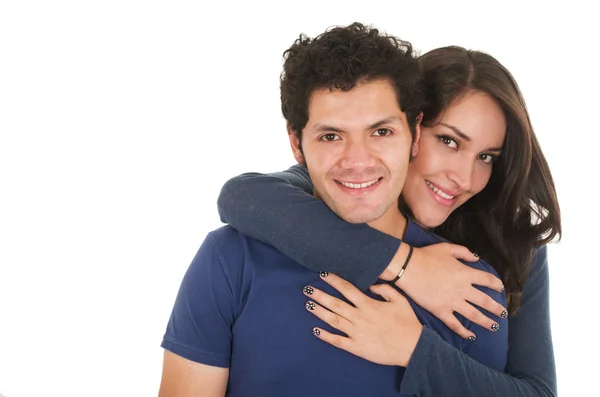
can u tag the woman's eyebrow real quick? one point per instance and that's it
(457, 132)
(467, 138)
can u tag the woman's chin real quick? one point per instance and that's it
(431, 219)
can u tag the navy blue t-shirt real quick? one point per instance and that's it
(241, 306)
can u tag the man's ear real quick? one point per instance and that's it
(415, 145)
(295, 144)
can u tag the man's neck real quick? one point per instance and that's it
(392, 223)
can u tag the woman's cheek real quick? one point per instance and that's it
(482, 177)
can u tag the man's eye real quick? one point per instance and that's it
(329, 137)
(382, 132)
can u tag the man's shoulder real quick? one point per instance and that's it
(228, 237)
(231, 246)
(224, 235)
(221, 261)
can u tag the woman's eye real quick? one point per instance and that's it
(446, 140)
(329, 137)
(487, 158)
(382, 132)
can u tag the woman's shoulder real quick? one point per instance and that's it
(420, 237)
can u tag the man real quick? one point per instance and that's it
(351, 98)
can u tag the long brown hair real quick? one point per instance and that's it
(518, 210)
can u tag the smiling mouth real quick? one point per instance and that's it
(439, 192)
(361, 185)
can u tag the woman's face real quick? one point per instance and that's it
(454, 159)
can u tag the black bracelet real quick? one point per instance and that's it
(410, 251)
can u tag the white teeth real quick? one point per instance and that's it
(359, 185)
(439, 192)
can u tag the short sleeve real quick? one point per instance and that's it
(200, 326)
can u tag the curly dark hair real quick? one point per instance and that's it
(341, 58)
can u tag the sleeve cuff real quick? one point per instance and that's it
(193, 354)
(417, 367)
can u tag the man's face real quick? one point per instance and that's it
(356, 146)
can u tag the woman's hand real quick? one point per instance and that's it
(382, 332)
(442, 285)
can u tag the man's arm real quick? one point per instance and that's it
(198, 338)
(185, 378)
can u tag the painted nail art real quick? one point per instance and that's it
(504, 314)
(495, 327)
(323, 274)
(310, 305)
(475, 255)
(471, 338)
(316, 331)
(503, 288)
(308, 290)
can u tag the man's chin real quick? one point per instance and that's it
(354, 212)
(358, 217)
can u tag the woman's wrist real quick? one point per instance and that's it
(395, 265)
(413, 341)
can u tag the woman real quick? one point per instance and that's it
(473, 186)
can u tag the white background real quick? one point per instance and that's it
(121, 120)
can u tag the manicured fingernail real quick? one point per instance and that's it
(316, 331)
(504, 314)
(308, 290)
(495, 327)
(471, 338)
(310, 305)
(323, 274)
(502, 288)
(475, 255)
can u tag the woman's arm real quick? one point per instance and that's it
(279, 209)
(437, 369)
